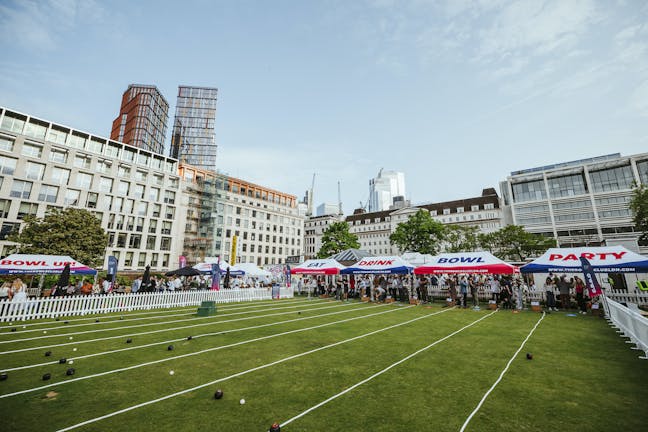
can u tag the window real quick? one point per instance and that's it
(154, 194)
(124, 188)
(36, 129)
(529, 191)
(140, 175)
(165, 243)
(103, 166)
(13, 122)
(474, 208)
(170, 212)
(567, 186)
(128, 155)
(157, 208)
(140, 225)
(143, 159)
(612, 179)
(57, 155)
(119, 204)
(489, 206)
(642, 167)
(32, 150)
(91, 200)
(20, 189)
(8, 228)
(27, 209)
(6, 144)
(154, 260)
(142, 208)
(105, 184)
(166, 228)
(72, 197)
(34, 171)
(5, 205)
(83, 180)
(152, 226)
(48, 193)
(60, 176)
(446, 211)
(82, 161)
(121, 240)
(77, 141)
(169, 197)
(128, 259)
(138, 191)
(150, 242)
(141, 262)
(123, 171)
(96, 145)
(128, 206)
(112, 150)
(135, 241)
(57, 136)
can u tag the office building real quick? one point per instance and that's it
(193, 140)
(239, 221)
(314, 228)
(327, 209)
(386, 186)
(132, 191)
(578, 203)
(143, 118)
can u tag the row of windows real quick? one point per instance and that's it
(135, 241)
(143, 259)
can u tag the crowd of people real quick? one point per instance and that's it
(564, 287)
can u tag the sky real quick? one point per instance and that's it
(456, 94)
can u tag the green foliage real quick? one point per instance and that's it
(421, 233)
(74, 232)
(513, 242)
(336, 239)
(460, 238)
(639, 208)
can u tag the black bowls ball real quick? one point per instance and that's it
(47, 376)
(63, 361)
(170, 348)
(218, 394)
(70, 372)
(48, 353)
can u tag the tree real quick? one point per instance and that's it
(421, 233)
(639, 208)
(336, 239)
(515, 243)
(459, 238)
(74, 232)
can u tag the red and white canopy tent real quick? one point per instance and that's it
(42, 264)
(318, 267)
(466, 262)
(380, 265)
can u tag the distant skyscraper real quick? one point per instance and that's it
(327, 209)
(193, 140)
(384, 188)
(143, 117)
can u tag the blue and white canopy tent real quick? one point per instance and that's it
(206, 268)
(607, 259)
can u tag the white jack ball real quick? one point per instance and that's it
(71, 362)
(70, 337)
(171, 372)
(44, 331)
(74, 349)
(242, 401)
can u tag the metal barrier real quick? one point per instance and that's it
(629, 323)
(52, 307)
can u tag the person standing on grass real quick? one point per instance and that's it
(474, 287)
(563, 289)
(463, 290)
(579, 287)
(452, 288)
(550, 297)
(495, 289)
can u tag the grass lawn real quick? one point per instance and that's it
(285, 357)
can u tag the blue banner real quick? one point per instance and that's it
(592, 284)
(215, 270)
(112, 267)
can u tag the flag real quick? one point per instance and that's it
(112, 269)
(215, 268)
(182, 260)
(288, 275)
(593, 286)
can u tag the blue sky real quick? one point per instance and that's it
(456, 94)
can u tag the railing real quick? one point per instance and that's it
(629, 323)
(52, 307)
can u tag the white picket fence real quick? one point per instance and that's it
(52, 307)
(629, 322)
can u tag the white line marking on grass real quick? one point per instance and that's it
(161, 330)
(501, 375)
(359, 308)
(254, 369)
(141, 325)
(391, 366)
(195, 353)
(63, 326)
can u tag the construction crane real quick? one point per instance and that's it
(340, 212)
(309, 209)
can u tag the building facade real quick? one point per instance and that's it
(386, 186)
(233, 218)
(578, 203)
(193, 140)
(314, 228)
(133, 192)
(143, 118)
